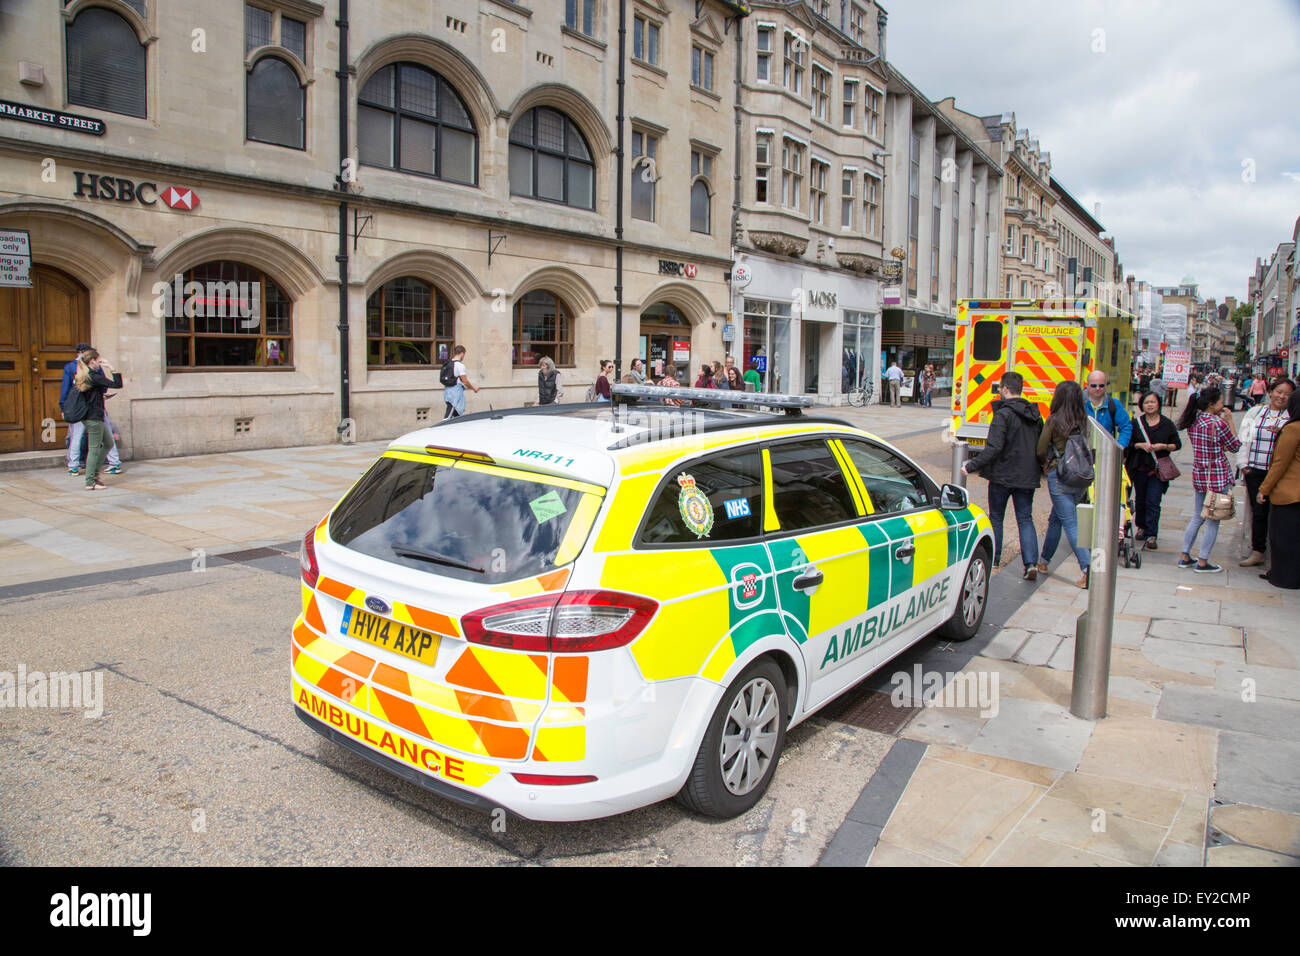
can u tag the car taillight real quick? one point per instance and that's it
(307, 559)
(574, 621)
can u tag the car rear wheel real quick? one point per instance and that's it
(971, 600)
(742, 744)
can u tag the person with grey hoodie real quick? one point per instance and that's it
(1009, 461)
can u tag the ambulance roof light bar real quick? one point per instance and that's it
(790, 404)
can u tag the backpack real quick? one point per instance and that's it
(447, 374)
(1074, 467)
(591, 393)
(74, 406)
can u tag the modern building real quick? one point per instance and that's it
(282, 245)
(943, 204)
(1149, 330)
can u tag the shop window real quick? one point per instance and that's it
(543, 326)
(408, 322)
(105, 63)
(550, 160)
(276, 104)
(410, 118)
(229, 315)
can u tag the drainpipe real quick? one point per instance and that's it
(342, 186)
(618, 192)
(737, 315)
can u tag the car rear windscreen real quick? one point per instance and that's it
(457, 521)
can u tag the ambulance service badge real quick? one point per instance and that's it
(694, 505)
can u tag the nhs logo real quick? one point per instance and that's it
(737, 507)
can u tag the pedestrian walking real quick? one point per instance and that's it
(1066, 417)
(91, 379)
(1258, 388)
(1258, 433)
(895, 376)
(76, 430)
(1108, 410)
(753, 381)
(1009, 462)
(550, 389)
(1149, 466)
(1281, 489)
(454, 383)
(928, 379)
(1209, 426)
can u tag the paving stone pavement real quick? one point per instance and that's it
(1197, 762)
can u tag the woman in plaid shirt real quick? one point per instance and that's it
(1209, 426)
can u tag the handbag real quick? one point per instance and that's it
(1166, 470)
(1219, 506)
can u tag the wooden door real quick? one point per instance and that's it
(39, 331)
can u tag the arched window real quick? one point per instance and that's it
(549, 160)
(543, 326)
(227, 315)
(410, 118)
(408, 322)
(105, 62)
(701, 195)
(276, 104)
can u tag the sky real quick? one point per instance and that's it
(1181, 117)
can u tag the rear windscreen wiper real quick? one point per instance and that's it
(404, 551)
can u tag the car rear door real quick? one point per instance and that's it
(1047, 352)
(819, 559)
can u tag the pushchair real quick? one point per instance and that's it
(1130, 548)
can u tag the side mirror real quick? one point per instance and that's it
(953, 498)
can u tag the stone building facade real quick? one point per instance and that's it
(145, 141)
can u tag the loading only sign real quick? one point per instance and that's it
(15, 258)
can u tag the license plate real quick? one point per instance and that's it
(974, 441)
(391, 635)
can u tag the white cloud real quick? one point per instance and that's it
(1156, 126)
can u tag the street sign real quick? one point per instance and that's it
(728, 332)
(1178, 365)
(681, 351)
(15, 258)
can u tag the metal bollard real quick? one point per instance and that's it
(1093, 629)
(960, 452)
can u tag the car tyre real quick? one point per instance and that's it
(972, 599)
(749, 722)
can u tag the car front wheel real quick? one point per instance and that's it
(971, 600)
(742, 744)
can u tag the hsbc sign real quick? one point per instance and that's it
(118, 189)
(688, 270)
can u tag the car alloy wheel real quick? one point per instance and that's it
(974, 592)
(749, 736)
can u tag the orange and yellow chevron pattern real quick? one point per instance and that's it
(982, 376)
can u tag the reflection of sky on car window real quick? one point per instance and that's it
(470, 517)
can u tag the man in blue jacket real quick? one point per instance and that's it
(1108, 411)
(75, 428)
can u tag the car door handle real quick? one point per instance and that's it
(810, 578)
(905, 551)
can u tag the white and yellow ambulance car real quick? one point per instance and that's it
(574, 611)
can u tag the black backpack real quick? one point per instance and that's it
(1074, 467)
(74, 406)
(447, 375)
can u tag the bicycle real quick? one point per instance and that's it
(861, 395)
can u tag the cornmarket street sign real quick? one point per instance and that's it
(53, 118)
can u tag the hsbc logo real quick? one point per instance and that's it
(688, 270)
(179, 197)
(118, 189)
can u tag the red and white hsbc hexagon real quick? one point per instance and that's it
(180, 197)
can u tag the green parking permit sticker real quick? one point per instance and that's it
(547, 507)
